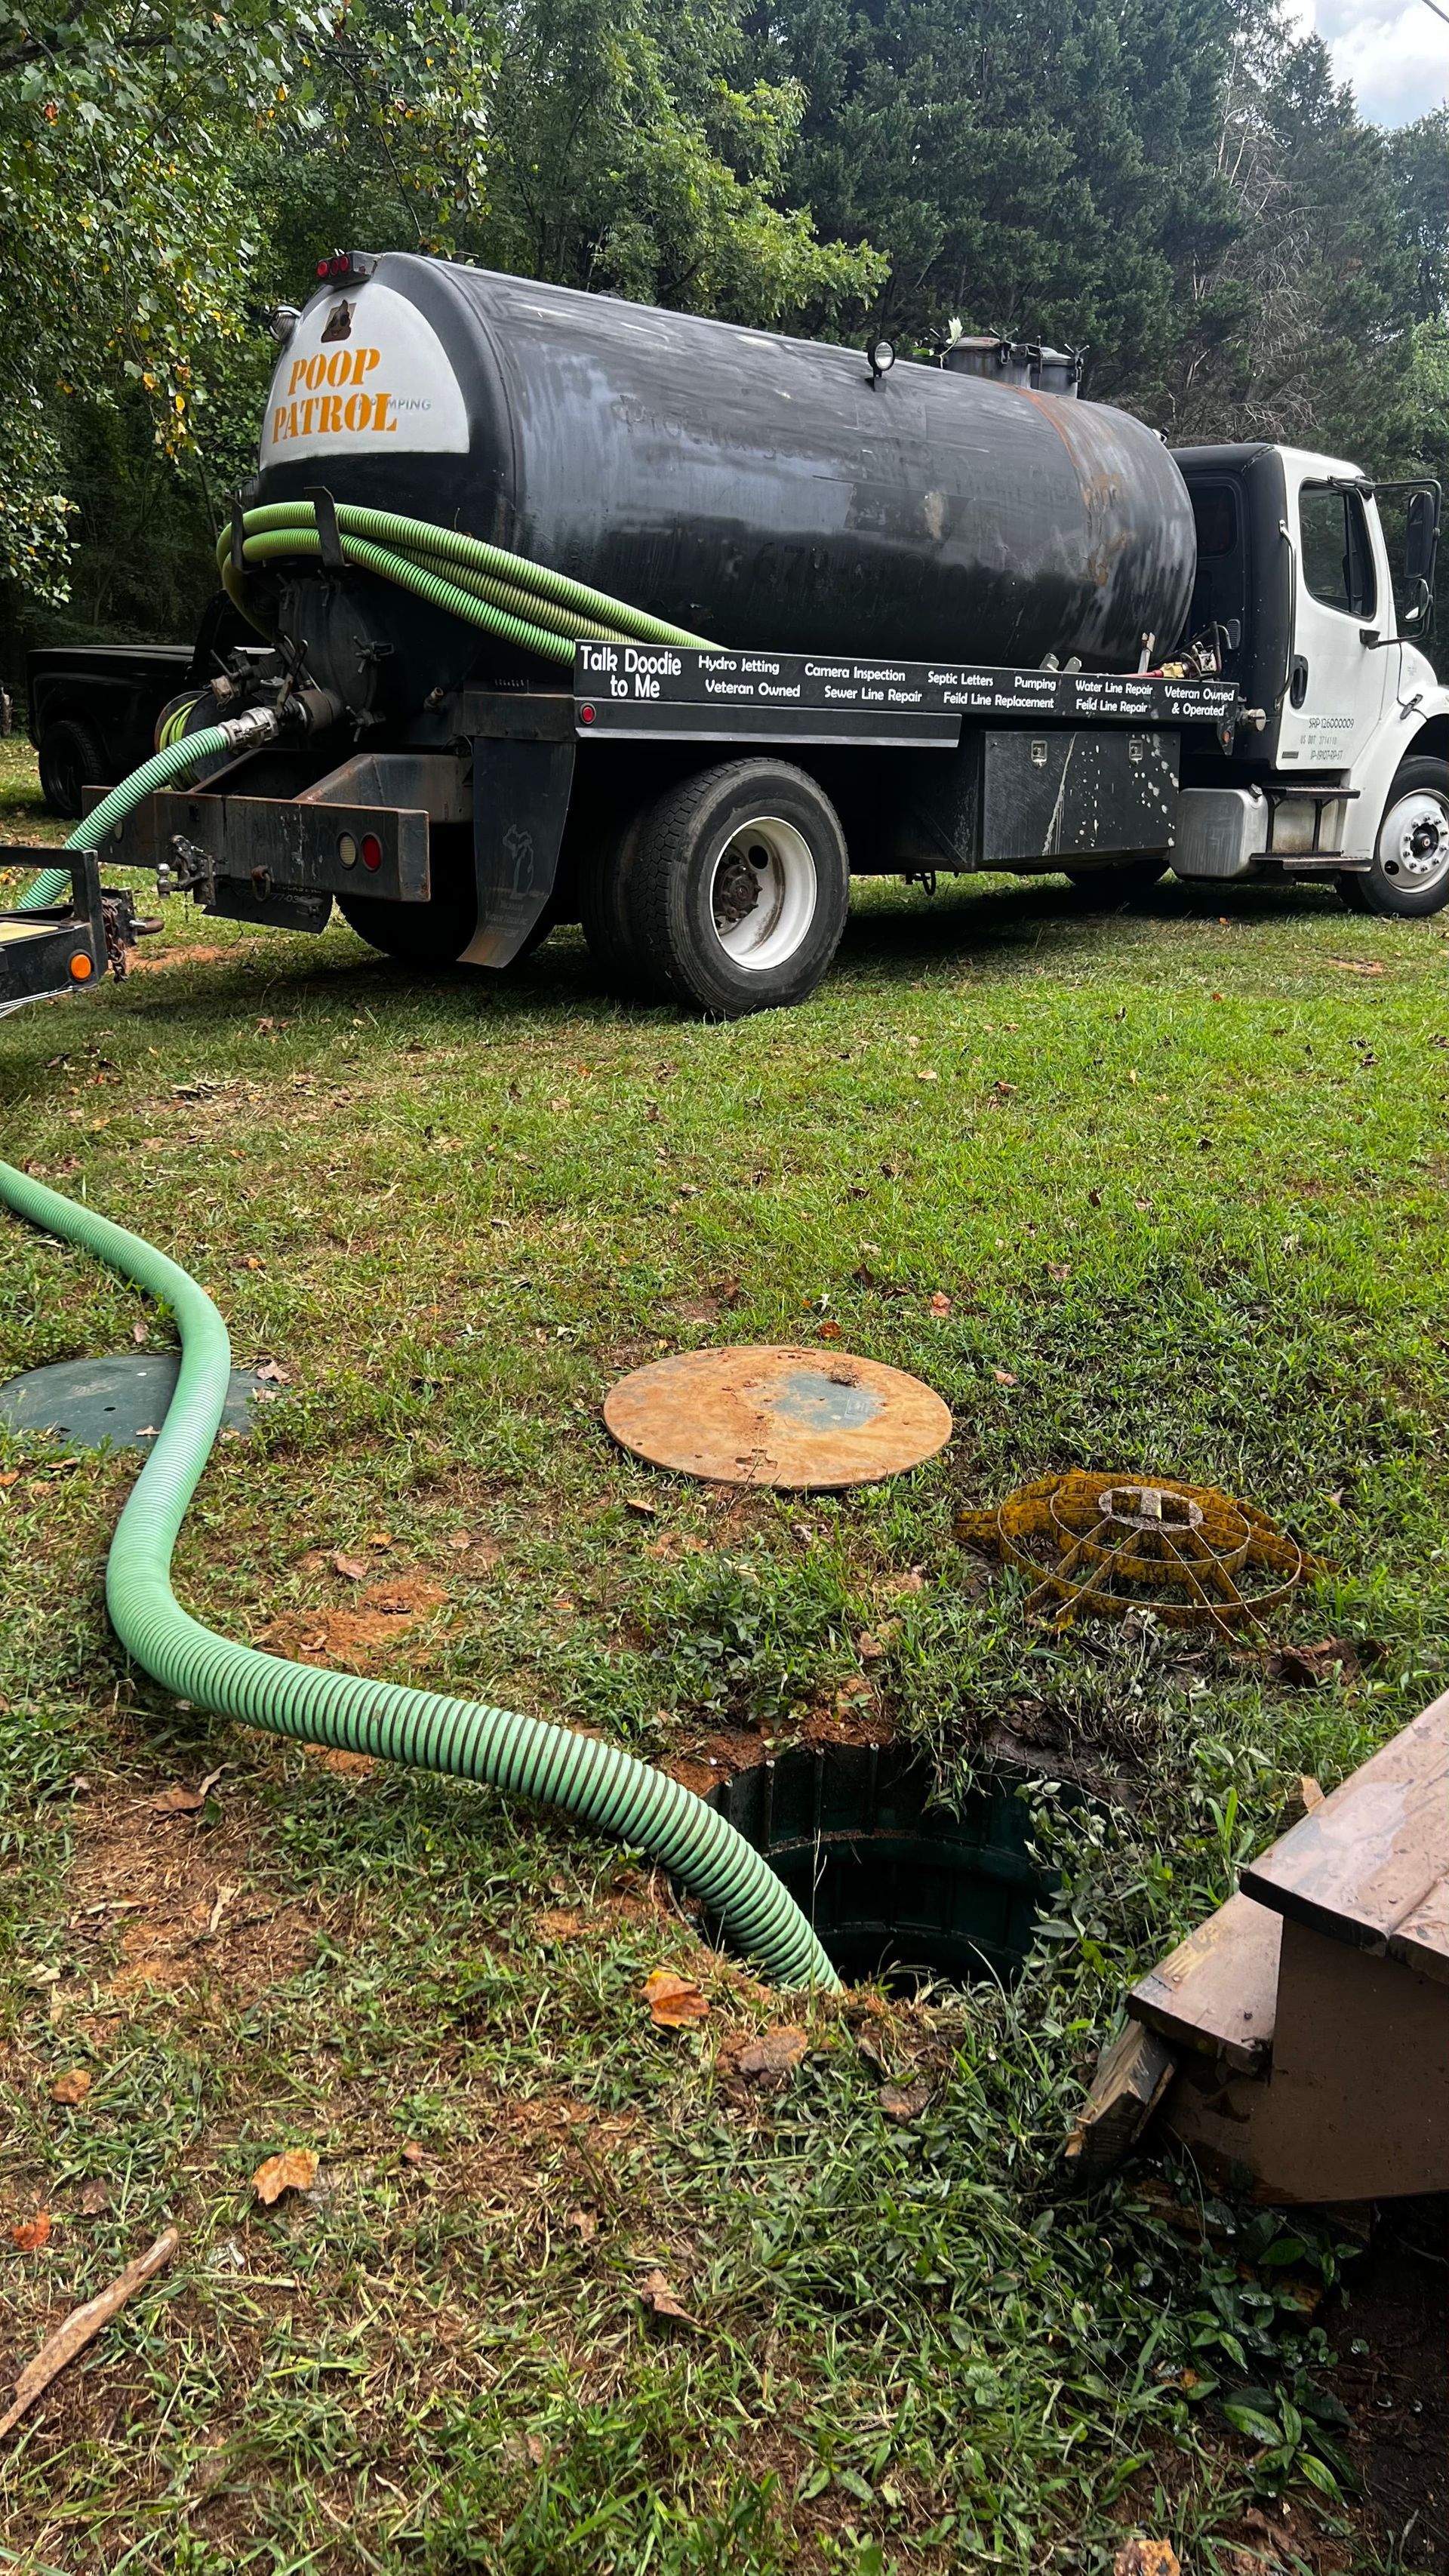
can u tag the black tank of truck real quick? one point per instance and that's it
(759, 490)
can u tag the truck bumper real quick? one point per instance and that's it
(290, 845)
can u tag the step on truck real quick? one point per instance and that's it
(567, 609)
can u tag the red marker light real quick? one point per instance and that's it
(371, 851)
(586, 715)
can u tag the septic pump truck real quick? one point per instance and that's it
(567, 609)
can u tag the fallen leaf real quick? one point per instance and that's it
(1003, 1377)
(585, 2224)
(294, 2170)
(1357, 965)
(378, 1538)
(178, 1800)
(77, 2330)
(869, 1646)
(658, 2297)
(252, 1261)
(640, 1503)
(411, 2153)
(356, 1568)
(912, 1581)
(72, 2087)
(776, 2052)
(139, 1333)
(926, 1073)
(11, 1476)
(1094, 1198)
(905, 2101)
(32, 2233)
(1146, 2558)
(939, 1303)
(94, 2199)
(674, 2002)
(270, 1373)
(830, 1331)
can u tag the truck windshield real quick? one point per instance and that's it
(1338, 566)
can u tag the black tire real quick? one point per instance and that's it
(71, 760)
(1409, 874)
(434, 934)
(1350, 892)
(1119, 880)
(752, 927)
(605, 881)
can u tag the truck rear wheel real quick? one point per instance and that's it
(1408, 875)
(70, 760)
(737, 887)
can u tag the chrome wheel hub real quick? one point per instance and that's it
(1414, 843)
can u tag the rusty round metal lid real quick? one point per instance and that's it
(756, 1416)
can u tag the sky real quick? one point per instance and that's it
(1395, 52)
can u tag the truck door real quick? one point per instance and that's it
(1336, 681)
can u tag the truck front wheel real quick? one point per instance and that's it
(738, 888)
(1408, 875)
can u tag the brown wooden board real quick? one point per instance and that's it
(1369, 1865)
(1217, 1991)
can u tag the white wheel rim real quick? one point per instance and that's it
(762, 893)
(1414, 843)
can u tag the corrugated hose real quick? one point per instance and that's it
(603, 1787)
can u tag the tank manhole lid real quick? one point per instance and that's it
(762, 1416)
(120, 1401)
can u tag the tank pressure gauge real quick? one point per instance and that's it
(882, 356)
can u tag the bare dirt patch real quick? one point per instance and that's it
(168, 1900)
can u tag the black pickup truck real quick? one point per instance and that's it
(93, 707)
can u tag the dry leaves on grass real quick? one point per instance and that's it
(355, 1568)
(32, 2233)
(775, 2053)
(1146, 2558)
(178, 1800)
(294, 2170)
(72, 2086)
(660, 2299)
(83, 2324)
(674, 2002)
(939, 1303)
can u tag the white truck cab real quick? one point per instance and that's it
(1347, 777)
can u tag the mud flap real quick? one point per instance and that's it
(520, 806)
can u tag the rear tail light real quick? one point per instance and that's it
(371, 851)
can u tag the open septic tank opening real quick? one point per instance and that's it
(898, 1889)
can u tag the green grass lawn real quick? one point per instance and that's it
(1182, 1180)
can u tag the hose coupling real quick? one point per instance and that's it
(247, 732)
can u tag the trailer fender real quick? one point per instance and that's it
(520, 806)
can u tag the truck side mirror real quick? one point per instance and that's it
(1421, 541)
(1421, 547)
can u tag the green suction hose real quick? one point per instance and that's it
(463, 1739)
(522, 602)
(53, 884)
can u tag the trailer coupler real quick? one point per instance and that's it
(61, 948)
